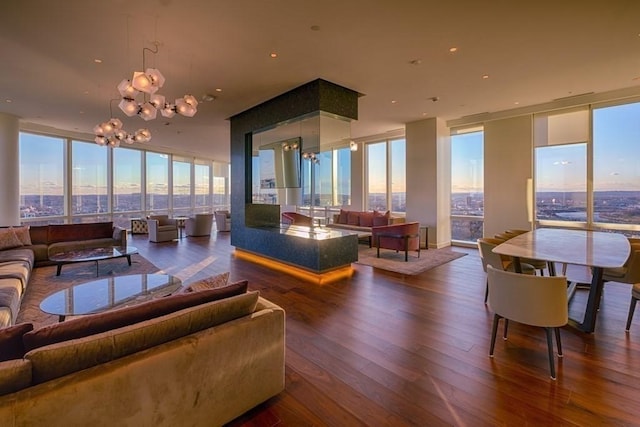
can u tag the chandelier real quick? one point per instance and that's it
(111, 132)
(148, 82)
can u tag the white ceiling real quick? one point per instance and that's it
(533, 52)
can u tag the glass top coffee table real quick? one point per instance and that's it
(92, 254)
(105, 294)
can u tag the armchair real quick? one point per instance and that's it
(199, 225)
(162, 228)
(223, 220)
(399, 237)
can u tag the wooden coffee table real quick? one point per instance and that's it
(105, 294)
(92, 254)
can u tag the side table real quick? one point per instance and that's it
(180, 223)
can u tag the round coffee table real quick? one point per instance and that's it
(105, 294)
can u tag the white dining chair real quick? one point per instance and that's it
(529, 299)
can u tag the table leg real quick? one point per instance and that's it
(588, 324)
(97, 270)
(129, 260)
(59, 269)
(406, 248)
(517, 266)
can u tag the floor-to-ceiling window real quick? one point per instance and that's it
(616, 166)
(89, 198)
(587, 167)
(157, 182)
(202, 185)
(221, 174)
(42, 178)
(181, 186)
(385, 164)
(467, 184)
(63, 180)
(127, 185)
(560, 140)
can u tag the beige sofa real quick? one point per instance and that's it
(199, 366)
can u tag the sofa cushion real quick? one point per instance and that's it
(101, 322)
(73, 232)
(366, 219)
(63, 358)
(353, 218)
(343, 216)
(17, 254)
(11, 346)
(23, 234)
(10, 294)
(14, 375)
(381, 219)
(8, 239)
(39, 234)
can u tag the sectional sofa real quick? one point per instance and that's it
(23, 248)
(190, 359)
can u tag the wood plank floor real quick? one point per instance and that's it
(381, 349)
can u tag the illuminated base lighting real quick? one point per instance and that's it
(300, 273)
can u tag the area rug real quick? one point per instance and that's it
(44, 282)
(394, 261)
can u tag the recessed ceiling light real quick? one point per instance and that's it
(273, 55)
(517, 103)
(415, 62)
(394, 101)
(485, 76)
(453, 49)
(98, 61)
(8, 101)
(218, 89)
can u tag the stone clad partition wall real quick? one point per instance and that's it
(256, 228)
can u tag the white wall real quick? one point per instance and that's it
(428, 178)
(9, 170)
(508, 163)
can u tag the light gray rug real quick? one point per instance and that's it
(394, 261)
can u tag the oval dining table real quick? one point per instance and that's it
(595, 249)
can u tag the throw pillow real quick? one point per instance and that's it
(379, 219)
(342, 218)
(219, 281)
(366, 219)
(8, 239)
(353, 218)
(11, 346)
(22, 233)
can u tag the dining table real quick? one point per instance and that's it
(595, 249)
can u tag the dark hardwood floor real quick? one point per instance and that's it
(381, 349)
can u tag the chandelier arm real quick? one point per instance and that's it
(144, 66)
